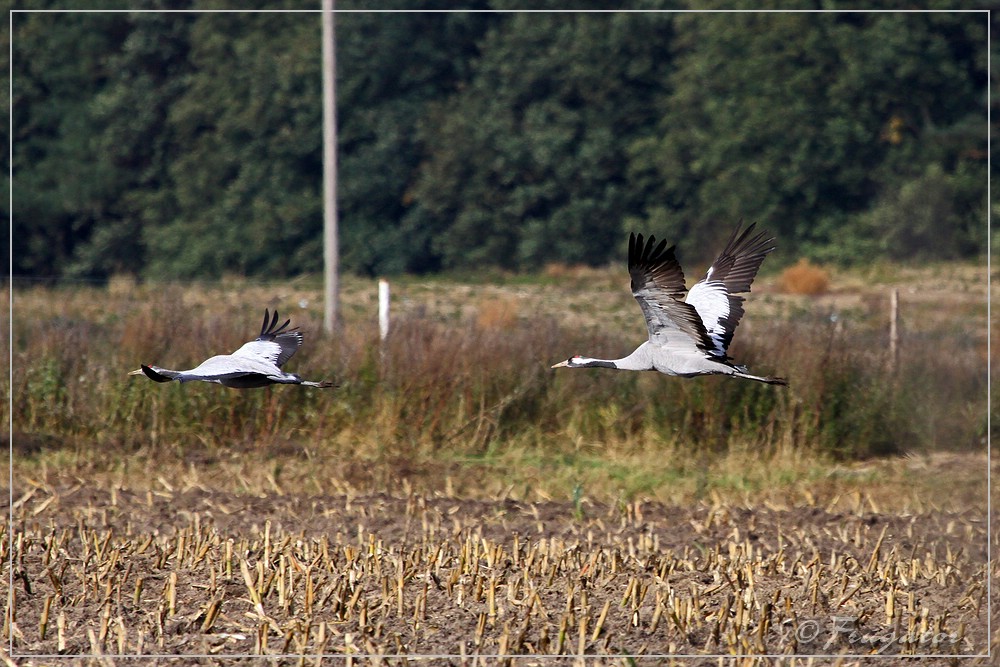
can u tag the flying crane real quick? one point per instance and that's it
(256, 364)
(689, 330)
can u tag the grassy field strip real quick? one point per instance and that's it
(463, 384)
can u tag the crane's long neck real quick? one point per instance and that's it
(587, 362)
(637, 361)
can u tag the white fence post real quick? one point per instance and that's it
(383, 308)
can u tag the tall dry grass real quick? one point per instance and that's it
(456, 387)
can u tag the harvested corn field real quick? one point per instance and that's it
(194, 572)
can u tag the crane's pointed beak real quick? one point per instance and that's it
(137, 371)
(560, 364)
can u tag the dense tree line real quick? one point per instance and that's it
(190, 144)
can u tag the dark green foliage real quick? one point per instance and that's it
(245, 177)
(63, 186)
(527, 164)
(392, 66)
(146, 78)
(190, 144)
(805, 122)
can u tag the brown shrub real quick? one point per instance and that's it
(122, 285)
(563, 271)
(497, 313)
(805, 278)
(559, 270)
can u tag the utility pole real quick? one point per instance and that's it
(331, 260)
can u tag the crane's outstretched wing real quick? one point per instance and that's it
(715, 296)
(274, 344)
(658, 286)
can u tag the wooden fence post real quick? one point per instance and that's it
(893, 328)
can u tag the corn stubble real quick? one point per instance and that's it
(383, 576)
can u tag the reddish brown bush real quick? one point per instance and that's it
(805, 278)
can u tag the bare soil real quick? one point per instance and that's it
(103, 572)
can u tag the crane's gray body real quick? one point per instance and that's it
(646, 357)
(231, 371)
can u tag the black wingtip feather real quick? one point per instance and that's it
(643, 251)
(268, 329)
